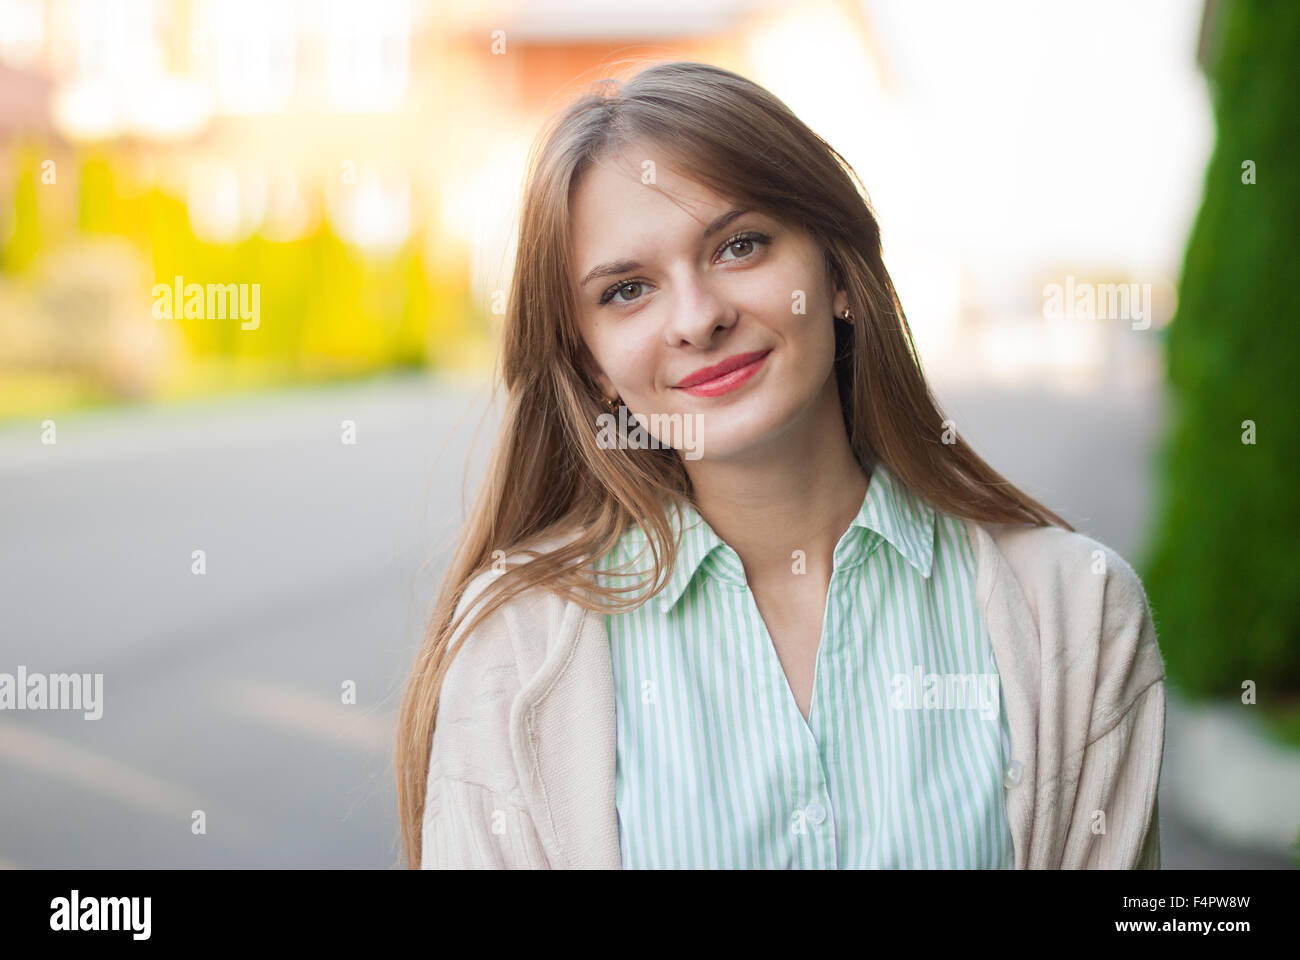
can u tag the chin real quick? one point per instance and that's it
(736, 434)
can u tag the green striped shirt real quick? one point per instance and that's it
(901, 761)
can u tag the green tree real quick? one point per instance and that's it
(1223, 571)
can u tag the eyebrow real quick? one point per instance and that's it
(615, 267)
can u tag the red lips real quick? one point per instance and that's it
(721, 369)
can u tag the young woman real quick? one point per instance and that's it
(782, 615)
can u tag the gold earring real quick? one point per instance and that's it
(848, 315)
(610, 405)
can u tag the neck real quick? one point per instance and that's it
(799, 492)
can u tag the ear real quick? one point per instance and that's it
(839, 301)
(839, 296)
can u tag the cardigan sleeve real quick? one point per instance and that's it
(1116, 823)
(471, 827)
(474, 814)
(1115, 820)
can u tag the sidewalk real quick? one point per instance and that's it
(1231, 794)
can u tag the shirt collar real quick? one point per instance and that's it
(889, 512)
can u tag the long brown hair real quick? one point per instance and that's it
(547, 474)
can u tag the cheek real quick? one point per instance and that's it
(628, 357)
(786, 298)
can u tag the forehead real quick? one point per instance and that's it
(634, 195)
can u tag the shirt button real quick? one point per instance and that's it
(1012, 775)
(815, 812)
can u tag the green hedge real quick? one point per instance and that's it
(1222, 570)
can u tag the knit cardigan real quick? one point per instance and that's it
(522, 761)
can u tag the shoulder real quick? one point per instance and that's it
(478, 591)
(492, 660)
(1088, 605)
(1053, 564)
(1023, 544)
(496, 655)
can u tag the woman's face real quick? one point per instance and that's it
(669, 283)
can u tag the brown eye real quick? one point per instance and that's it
(748, 242)
(612, 291)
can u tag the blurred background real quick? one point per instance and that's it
(254, 255)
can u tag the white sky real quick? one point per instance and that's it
(1060, 130)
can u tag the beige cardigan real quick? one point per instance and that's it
(521, 771)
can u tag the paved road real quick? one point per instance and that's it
(223, 692)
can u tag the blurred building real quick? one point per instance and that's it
(403, 124)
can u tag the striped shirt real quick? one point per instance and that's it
(903, 760)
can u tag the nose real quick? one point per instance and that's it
(698, 313)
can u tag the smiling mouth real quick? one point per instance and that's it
(727, 380)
